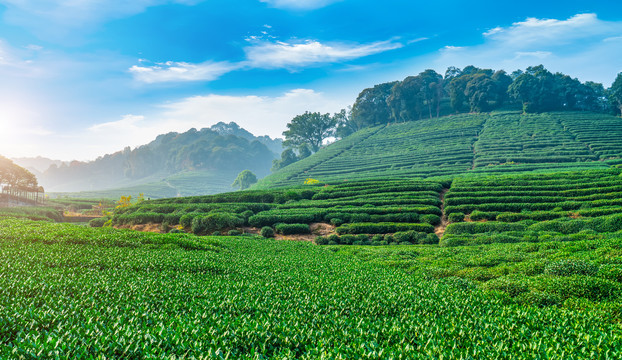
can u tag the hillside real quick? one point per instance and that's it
(499, 142)
(196, 162)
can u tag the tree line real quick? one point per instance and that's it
(430, 94)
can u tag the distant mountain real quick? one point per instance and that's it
(275, 145)
(222, 151)
(37, 165)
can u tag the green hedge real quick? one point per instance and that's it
(483, 227)
(290, 229)
(382, 228)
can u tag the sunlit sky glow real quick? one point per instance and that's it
(88, 77)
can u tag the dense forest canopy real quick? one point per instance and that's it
(430, 94)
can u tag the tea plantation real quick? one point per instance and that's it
(466, 237)
(498, 142)
(74, 292)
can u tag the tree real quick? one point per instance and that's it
(615, 93)
(309, 129)
(480, 91)
(371, 107)
(432, 89)
(535, 88)
(344, 124)
(244, 180)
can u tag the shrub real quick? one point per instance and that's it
(336, 222)
(186, 220)
(477, 215)
(99, 222)
(319, 240)
(538, 299)
(216, 233)
(334, 238)
(215, 221)
(290, 229)
(382, 228)
(611, 272)
(477, 227)
(430, 239)
(430, 219)
(347, 239)
(513, 285)
(267, 232)
(571, 267)
(377, 237)
(579, 286)
(234, 233)
(456, 217)
(362, 238)
(451, 241)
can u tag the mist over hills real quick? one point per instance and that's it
(220, 151)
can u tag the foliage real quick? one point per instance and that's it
(309, 129)
(615, 93)
(309, 181)
(244, 180)
(290, 229)
(267, 232)
(16, 177)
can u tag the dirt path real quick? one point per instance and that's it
(439, 230)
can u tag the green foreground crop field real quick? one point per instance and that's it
(69, 292)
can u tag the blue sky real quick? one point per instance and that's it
(82, 78)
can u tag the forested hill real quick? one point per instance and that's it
(498, 142)
(219, 152)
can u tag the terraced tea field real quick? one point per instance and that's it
(362, 207)
(503, 142)
(74, 292)
(532, 207)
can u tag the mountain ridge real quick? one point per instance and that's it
(224, 149)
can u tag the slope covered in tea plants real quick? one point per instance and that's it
(463, 144)
(74, 292)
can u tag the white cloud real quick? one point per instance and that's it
(299, 4)
(181, 71)
(262, 54)
(127, 122)
(538, 32)
(582, 46)
(58, 19)
(290, 55)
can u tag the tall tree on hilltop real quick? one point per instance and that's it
(480, 90)
(309, 129)
(432, 89)
(502, 81)
(406, 100)
(615, 93)
(371, 108)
